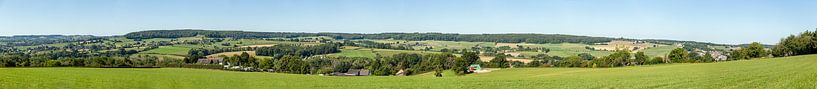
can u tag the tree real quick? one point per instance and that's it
(499, 61)
(586, 56)
(708, 57)
(467, 59)
(695, 57)
(470, 57)
(640, 58)
(460, 66)
(739, 54)
(756, 50)
(572, 61)
(619, 58)
(803, 43)
(655, 60)
(517, 64)
(265, 63)
(535, 63)
(678, 55)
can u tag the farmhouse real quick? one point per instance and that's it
(474, 67)
(719, 56)
(352, 72)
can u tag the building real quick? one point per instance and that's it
(474, 68)
(353, 72)
(718, 55)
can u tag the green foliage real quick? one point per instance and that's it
(499, 62)
(290, 64)
(756, 50)
(572, 61)
(679, 55)
(296, 50)
(619, 58)
(460, 66)
(708, 58)
(640, 58)
(587, 56)
(803, 43)
(739, 54)
(656, 60)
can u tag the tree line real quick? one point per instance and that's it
(799, 44)
(397, 64)
(21, 60)
(504, 38)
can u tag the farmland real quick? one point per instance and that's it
(770, 73)
(170, 50)
(371, 53)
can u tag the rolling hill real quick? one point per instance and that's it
(771, 73)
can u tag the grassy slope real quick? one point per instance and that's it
(168, 50)
(776, 73)
(659, 51)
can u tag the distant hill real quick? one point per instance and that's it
(28, 40)
(505, 38)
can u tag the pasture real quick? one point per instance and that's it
(796, 72)
(168, 50)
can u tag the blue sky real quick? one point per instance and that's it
(718, 21)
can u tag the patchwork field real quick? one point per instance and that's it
(349, 51)
(252, 53)
(168, 50)
(438, 45)
(776, 73)
(566, 50)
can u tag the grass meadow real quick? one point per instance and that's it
(796, 72)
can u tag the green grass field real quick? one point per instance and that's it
(776, 73)
(566, 50)
(659, 51)
(168, 50)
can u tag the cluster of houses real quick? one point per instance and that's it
(352, 72)
(718, 55)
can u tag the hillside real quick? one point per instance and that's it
(773, 73)
(503, 38)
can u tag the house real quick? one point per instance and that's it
(719, 56)
(352, 72)
(215, 60)
(474, 68)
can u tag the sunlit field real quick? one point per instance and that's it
(774, 73)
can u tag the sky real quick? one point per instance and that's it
(717, 21)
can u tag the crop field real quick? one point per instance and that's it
(247, 42)
(774, 73)
(160, 56)
(349, 51)
(563, 49)
(252, 53)
(566, 49)
(438, 45)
